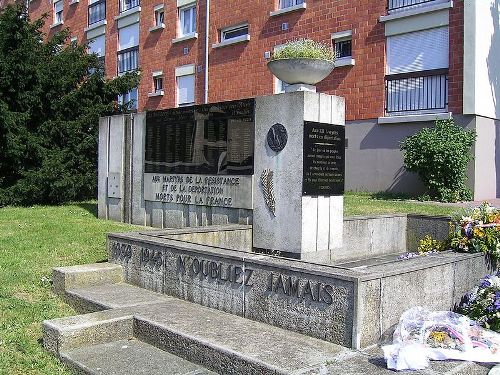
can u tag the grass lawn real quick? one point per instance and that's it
(34, 240)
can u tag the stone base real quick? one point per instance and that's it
(300, 87)
(352, 304)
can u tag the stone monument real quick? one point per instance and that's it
(274, 162)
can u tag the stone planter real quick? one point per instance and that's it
(307, 71)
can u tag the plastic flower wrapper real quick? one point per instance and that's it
(423, 335)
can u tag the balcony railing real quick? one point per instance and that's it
(128, 60)
(417, 91)
(400, 4)
(128, 4)
(97, 12)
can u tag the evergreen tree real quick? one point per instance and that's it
(52, 94)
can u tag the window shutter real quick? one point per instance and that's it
(185, 89)
(128, 36)
(417, 51)
(98, 45)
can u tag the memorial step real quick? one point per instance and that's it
(224, 343)
(128, 357)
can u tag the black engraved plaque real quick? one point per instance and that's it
(277, 137)
(324, 159)
(215, 138)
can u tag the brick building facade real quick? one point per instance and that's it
(402, 63)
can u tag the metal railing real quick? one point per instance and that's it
(128, 60)
(128, 4)
(416, 91)
(97, 12)
(400, 4)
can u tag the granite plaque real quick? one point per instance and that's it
(210, 139)
(277, 137)
(324, 159)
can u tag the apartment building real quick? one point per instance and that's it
(400, 65)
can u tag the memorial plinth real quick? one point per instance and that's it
(275, 162)
(307, 175)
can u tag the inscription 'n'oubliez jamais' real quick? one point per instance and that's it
(215, 270)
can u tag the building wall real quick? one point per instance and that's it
(374, 161)
(239, 71)
(482, 58)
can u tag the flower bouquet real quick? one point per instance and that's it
(477, 232)
(482, 303)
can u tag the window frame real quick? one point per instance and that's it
(185, 104)
(58, 15)
(294, 3)
(224, 31)
(181, 11)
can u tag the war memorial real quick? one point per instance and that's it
(251, 267)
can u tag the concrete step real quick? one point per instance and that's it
(225, 343)
(128, 357)
(171, 336)
(111, 296)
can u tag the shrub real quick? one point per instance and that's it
(304, 48)
(52, 94)
(439, 156)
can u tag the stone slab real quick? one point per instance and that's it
(232, 345)
(323, 301)
(82, 330)
(294, 296)
(64, 278)
(127, 357)
(111, 296)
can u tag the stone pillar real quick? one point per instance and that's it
(303, 225)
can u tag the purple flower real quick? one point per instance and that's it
(485, 283)
(468, 230)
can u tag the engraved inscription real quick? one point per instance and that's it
(151, 258)
(206, 269)
(121, 251)
(324, 159)
(304, 289)
(201, 190)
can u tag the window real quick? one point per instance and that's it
(418, 51)
(128, 4)
(58, 12)
(234, 32)
(128, 60)
(158, 83)
(290, 3)
(128, 36)
(417, 72)
(159, 17)
(129, 99)
(187, 20)
(343, 48)
(404, 4)
(185, 79)
(98, 45)
(96, 11)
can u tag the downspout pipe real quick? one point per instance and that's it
(207, 30)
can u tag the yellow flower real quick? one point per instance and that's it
(478, 232)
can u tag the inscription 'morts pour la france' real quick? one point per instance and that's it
(324, 159)
(200, 190)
